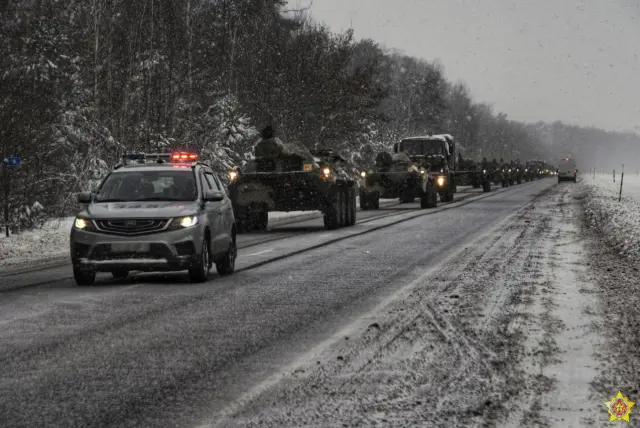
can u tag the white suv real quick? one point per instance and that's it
(567, 170)
(157, 213)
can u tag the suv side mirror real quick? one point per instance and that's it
(395, 148)
(213, 196)
(84, 197)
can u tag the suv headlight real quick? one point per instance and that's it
(83, 224)
(363, 174)
(183, 222)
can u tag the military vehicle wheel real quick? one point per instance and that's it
(371, 201)
(352, 207)
(486, 186)
(430, 198)
(332, 212)
(376, 201)
(260, 220)
(84, 277)
(407, 197)
(365, 201)
(447, 196)
(344, 206)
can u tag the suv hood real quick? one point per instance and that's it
(148, 209)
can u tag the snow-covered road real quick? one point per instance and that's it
(496, 311)
(500, 333)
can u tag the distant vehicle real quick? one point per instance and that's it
(286, 176)
(394, 176)
(567, 170)
(155, 212)
(431, 171)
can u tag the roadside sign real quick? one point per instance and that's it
(12, 161)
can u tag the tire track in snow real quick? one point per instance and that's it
(440, 357)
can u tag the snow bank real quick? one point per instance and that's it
(618, 222)
(51, 241)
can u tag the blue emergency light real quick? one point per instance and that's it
(13, 161)
(134, 156)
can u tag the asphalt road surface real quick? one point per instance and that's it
(157, 351)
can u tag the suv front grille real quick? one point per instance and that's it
(130, 227)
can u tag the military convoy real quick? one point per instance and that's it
(420, 167)
(290, 177)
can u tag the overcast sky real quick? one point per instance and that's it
(570, 60)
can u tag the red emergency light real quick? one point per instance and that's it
(184, 157)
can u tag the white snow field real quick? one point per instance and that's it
(51, 242)
(619, 222)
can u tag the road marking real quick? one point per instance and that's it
(258, 253)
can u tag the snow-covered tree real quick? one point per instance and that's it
(225, 134)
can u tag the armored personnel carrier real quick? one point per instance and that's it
(289, 177)
(394, 176)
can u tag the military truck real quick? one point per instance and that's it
(290, 177)
(480, 175)
(541, 169)
(504, 177)
(517, 171)
(394, 176)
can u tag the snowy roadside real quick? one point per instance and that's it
(49, 246)
(617, 222)
(500, 334)
(615, 269)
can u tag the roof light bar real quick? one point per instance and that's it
(160, 157)
(184, 156)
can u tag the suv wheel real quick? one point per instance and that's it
(227, 265)
(84, 277)
(199, 272)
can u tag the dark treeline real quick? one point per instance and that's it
(83, 81)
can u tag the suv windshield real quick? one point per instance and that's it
(421, 147)
(168, 185)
